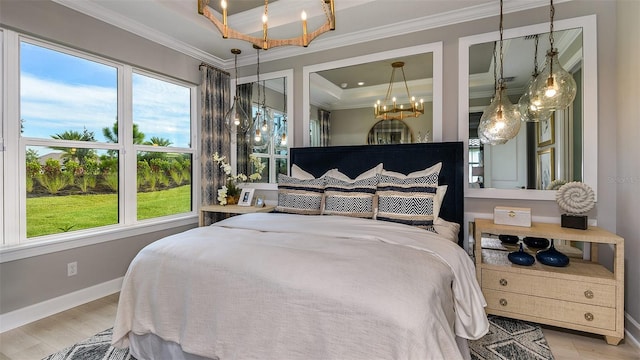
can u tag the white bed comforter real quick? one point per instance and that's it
(279, 286)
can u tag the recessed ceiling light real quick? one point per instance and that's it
(360, 83)
(344, 85)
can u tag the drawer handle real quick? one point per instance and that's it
(588, 294)
(588, 316)
(503, 302)
(512, 214)
(504, 282)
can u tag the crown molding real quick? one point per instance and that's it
(101, 13)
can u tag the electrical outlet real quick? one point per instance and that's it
(72, 268)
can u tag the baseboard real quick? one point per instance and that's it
(632, 331)
(20, 317)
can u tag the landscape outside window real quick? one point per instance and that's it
(69, 134)
(271, 150)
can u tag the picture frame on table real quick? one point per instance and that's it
(246, 197)
(546, 168)
(546, 132)
(259, 202)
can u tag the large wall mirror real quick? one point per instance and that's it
(564, 148)
(339, 97)
(268, 103)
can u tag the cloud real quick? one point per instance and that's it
(49, 107)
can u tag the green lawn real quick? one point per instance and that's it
(56, 214)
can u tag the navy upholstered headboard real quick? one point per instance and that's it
(403, 158)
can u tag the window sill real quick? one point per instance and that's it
(61, 243)
(260, 186)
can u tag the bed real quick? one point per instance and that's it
(295, 286)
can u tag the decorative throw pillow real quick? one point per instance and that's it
(408, 199)
(352, 197)
(298, 196)
(437, 200)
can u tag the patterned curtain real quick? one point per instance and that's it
(245, 92)
(324, 117)
(215, 102)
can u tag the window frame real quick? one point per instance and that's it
(13, 243)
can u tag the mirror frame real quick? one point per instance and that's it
(435, 48)
(589, 104)
(288, 75)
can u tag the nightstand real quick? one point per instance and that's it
(231, 209)
(583, 296)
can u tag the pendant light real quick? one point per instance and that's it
(555, 87)
(263, 121)
(500, 121)
(529, 104)
(236, 118)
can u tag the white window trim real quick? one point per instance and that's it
(14, 245)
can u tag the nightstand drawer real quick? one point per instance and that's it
(574, 291)
(562, 311)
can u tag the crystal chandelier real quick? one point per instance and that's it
(265, 42)
(236, 118)
(389, 109)
(554, 87)
(500, 121)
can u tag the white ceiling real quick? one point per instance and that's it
(177, 24)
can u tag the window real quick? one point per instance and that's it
(269, 138)
(100, 144)
(270, 144)
(162, 121)
(476, 169)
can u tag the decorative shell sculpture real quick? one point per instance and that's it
(556, 184)
(575, 197)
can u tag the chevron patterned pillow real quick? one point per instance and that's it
(298, 196)
(407, 200)
(350, 198)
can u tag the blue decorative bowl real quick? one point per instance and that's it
(536, 242)
(520, 257)
(509, 239)
(552, 257)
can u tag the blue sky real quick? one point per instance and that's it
(60, 92)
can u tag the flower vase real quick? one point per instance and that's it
(552, 257)
(232, 200)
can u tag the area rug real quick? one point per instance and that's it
(507, 339)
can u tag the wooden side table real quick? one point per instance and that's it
(583, 296)
(231, 209)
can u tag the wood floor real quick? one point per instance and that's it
(41, 338)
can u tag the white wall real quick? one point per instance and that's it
(627, 177)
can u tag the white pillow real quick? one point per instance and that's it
(335, 173)
(435, 169)
(437, 200)
(298, 173)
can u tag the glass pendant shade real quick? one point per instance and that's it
(500, 121)
(529, 106)
(555, 87)
(237, 118)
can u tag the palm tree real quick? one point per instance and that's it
(158, 141)
(71, 153)
(112, 134)
(155, 141)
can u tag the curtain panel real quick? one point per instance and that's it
(214, 136)
(324, 117)
(245, 93)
